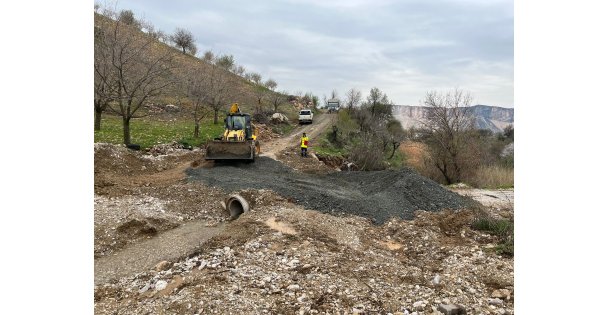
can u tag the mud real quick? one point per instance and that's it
(378, 196)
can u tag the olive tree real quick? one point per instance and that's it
(184, 39)
(127, 17)
(225, 62)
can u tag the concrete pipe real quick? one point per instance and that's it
(236, 205)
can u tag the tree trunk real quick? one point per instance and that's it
(395, 146)
(215, 113)
(126, 131)
(197, 128)
(98, 112)
(444, 171)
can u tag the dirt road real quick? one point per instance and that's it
(314, 130)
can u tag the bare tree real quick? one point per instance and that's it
(196, 89)
(277, 99)
(447, 122)
(270, 84)
(148, 28)
(240, 71)
(161, 36)
(183, 39)
(138, 71)
(217, 86)
(256, 78)
(104, 78)
(192, 50)
(209, 56)
(352, 99)
(261, 93)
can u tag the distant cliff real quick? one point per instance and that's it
(486, 117)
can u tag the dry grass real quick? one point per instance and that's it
(415, 153)
(494, 176)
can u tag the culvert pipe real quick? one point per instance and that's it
(236, 205)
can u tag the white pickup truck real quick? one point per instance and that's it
(305, 116)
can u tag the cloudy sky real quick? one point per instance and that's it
(405, 48)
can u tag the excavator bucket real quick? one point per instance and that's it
(228, 150)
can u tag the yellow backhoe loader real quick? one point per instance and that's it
(239, 140)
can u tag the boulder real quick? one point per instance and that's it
(278, 117)
(172, 108)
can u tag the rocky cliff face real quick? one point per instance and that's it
(486, 117)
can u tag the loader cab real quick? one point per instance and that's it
(239, 122)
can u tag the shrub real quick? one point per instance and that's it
(368, 154)
(501, 228)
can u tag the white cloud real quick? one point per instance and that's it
(405, 48)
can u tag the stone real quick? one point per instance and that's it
(145, 288)
(451, 309)
(303, 299)
(279, 117)
(419, 305)
(161, 284)
(436, 280)
(359, 309)
(293, 287)
(501, 294)
(162, 266)
(171, 108)
(495, 301)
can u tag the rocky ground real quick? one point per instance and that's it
(281, 257)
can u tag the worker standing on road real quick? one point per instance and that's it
(304, 144)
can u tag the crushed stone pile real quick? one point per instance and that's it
(379, 195)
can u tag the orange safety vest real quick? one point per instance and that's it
(304, 142)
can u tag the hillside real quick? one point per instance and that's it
(486, 117)
(239, 90)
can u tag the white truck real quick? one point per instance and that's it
(305, 116)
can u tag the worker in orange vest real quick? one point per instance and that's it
(304, 145)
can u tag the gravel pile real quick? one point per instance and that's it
(377, 195)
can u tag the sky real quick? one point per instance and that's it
(405, 48)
